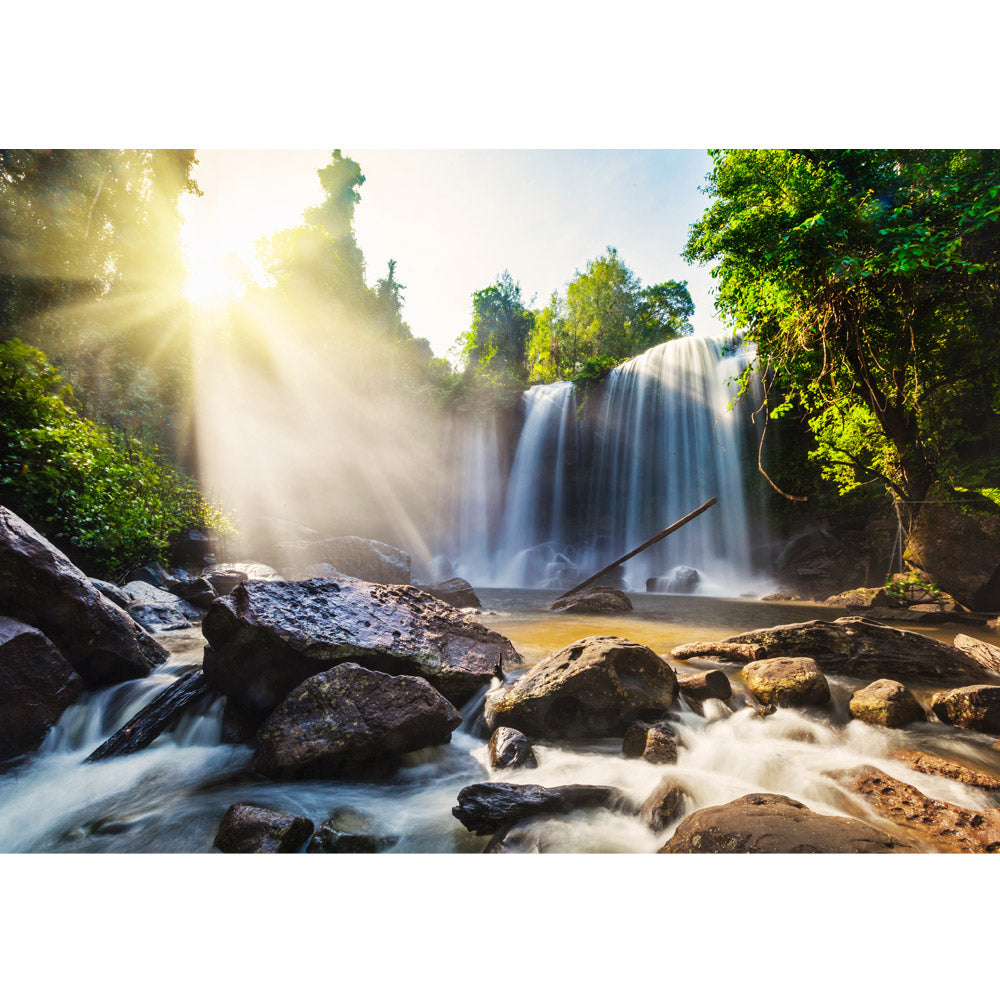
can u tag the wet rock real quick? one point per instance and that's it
(509, 748)
(655, 742)
(158, 617)
(864, 599)
(787, 682)
(145, 593)
(348, 832)
(886, 703)
(362, 558)
(196, 591)
(319, 571)
(594, 601)
(984, 653)
(248, 829)
(224, 581)
(456, 592)
(705, 684)
(593, 687)
(114, 594)
(664, 806)
(975, 707)
(347, 717)
(763, 823)
(528, 837)
(152, 573)
(269, 636)
(37, 685)
(865, 648)
(680, 580)
(939, 825)
(928, 763)
(192, 546)
(493, 806)
(42, 588)
(783, 595)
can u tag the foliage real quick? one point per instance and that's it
(868, 280)
(498, 337)
(102, 493)
(899, 584)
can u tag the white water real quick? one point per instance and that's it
(660, 440)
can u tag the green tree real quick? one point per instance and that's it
(501, 324)
(602, 305)
(868, 280)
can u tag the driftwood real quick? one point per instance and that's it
(984, 653)
(741, 652)
(150, 721)
(645, 545)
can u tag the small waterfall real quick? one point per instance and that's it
(592, 478)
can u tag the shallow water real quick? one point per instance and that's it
(171, 796)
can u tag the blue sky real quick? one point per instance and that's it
(455, 219)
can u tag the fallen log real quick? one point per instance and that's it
(645, 545)
(740, 652)
(984, 653)
(152, 720)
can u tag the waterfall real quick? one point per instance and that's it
(596, 473)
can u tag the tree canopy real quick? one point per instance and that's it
(868, 280)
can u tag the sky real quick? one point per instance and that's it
(455, 219)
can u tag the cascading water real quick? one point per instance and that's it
(653, 442)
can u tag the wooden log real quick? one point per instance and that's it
(984, 653)
(150, 721)
(741, 652)
(645, 545)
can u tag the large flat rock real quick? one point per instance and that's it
(269, 636)
(350, 555)
(41, 587)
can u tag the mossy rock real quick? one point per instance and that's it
(886, 703)
(787, 682)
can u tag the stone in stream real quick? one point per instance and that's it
(152, 720)
(763, 823)
(787, 682)
(886, 703)
(984, 653)
(456, 592)
(593, 601)
(348, 832)
(145, 593)
(361, 558)
(158, 617)
(197, 591)
(975, 707)
(704, 684)
(249, 829)
(655, 742)
(863, 648)
(510, 748)
(680, 580)
(593, 687)
(347, 717)
(153, 574)
(37, 685)
(665, 805)
(42, 588)
(489, 807)
(928, 763)
(269, 636)
(939, 825)
(112, 592)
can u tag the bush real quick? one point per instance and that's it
(114, 500)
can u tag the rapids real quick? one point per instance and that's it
(171, 796)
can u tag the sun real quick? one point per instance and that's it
(213, 281)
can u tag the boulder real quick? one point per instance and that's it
(863, 599)
(984, 653)
(593, 687)
(886, 703)
(939, 825)
(783, 595)
(960, 551)
(763, 823)
(247, 829)
(656, 743)
(224, 581)
(664, 806)
(456, 592)
(196, 591)
(362, 558)
(863, 648)
(154, 574)
(928, 763)
(113, 593)
(348, 832)
(704, 684)
(269, 636)
(145, 593)
(319, 571)
(787, 682)
(347, 717)
(509, 748)
(41, 587)
(593, 601)
(155, 617)
(492, 806)
(974, 707)
(192, 547)
(680, 580)
(36, 686)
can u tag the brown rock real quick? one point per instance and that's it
(975, 707)
(787, 681)
(509, 748)
(456, 592)
(886, 703)
(361, 558)
(42, 588)
(664, 806)
(655, 742)
(594, 601)
(593, 687)
(705, 684)
(247, 829)
(940, 825)
(775, 824)
(984, 653)
(928, 763)
(783, 596)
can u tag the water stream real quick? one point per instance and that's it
(171, 796)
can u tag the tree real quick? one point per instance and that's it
(665, 312)
(868, 280)
(602, 309)
(498, 337)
